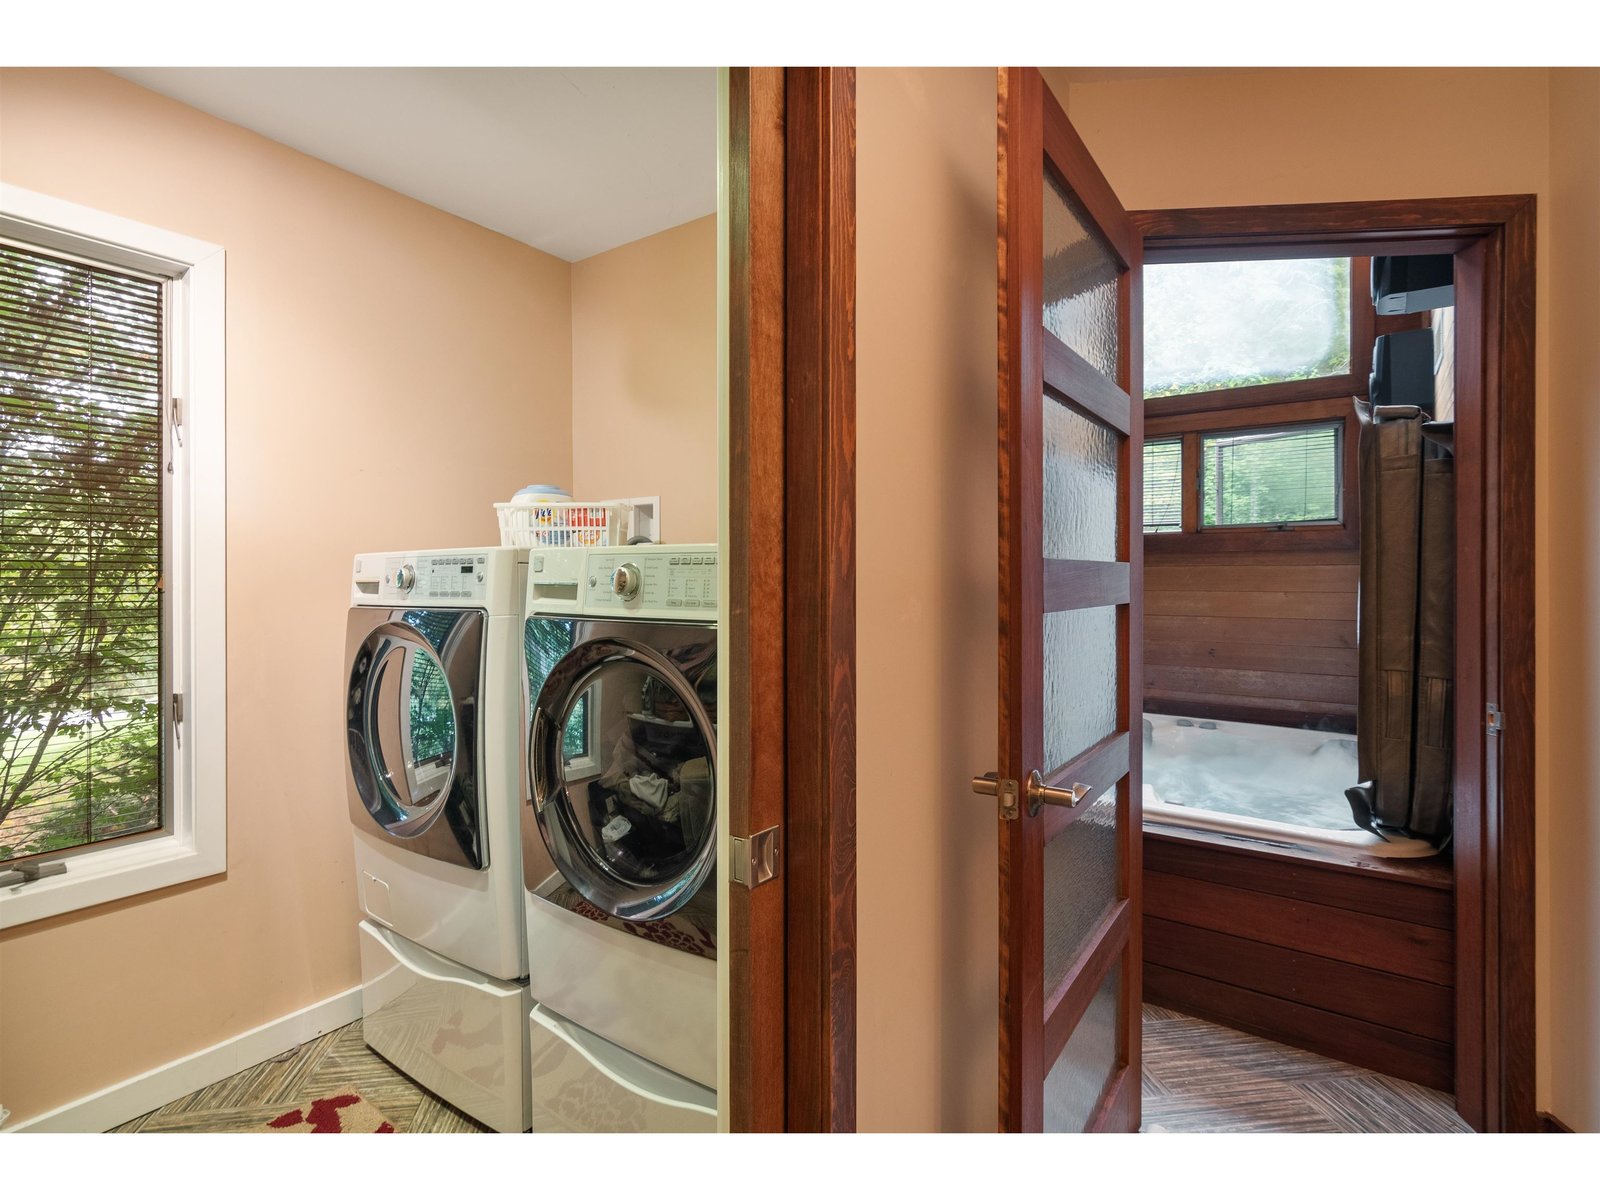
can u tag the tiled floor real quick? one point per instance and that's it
(1198, 1078)
(336, 1062)
(1202, 1078)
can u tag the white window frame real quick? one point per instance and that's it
(193, 843)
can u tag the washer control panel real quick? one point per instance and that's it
(667, 582)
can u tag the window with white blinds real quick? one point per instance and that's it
(1284, 476)
(81, 536)
(1163, 485)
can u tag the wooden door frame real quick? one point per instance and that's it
(791, 579)
(1492, 238)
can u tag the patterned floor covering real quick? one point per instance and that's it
(334, 1063)
(1198, 1078)
(1202, 1078)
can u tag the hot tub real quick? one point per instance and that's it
(1258, 781)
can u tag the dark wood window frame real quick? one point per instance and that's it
(1363, 328)
(1318, 535)
(1493, 241)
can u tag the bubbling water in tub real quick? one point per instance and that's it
(1291, 775)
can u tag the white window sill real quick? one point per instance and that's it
(112, 873)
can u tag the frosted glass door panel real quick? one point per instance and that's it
(1080, 281)
(1080, 884)
(1081, 471)
(1080, 681)
(1078, 1079)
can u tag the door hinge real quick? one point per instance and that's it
(177, 717)
(756, 858)
(1494, 720)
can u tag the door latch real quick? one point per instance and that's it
(1003, 790)
(1494, 719)
(1008, 791)
(756, 858)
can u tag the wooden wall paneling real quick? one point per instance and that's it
(819, 532)
(1257, 605)
(1383, 943)
(1338, 956)
(755, 563)
(1222, 572)
(1349, 1039)
(1253, 657)
(1419, 893)
(1240, 629)
(1284, 714)
(1381, 997)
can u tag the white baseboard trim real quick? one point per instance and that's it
(124, 1101)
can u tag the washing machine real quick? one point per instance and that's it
(433, 713)
(619, 836)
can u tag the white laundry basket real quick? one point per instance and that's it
(565, 523)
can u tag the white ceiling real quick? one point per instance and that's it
(570, 160)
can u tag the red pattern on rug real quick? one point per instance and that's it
(326, 1116)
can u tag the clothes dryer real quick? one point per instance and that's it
(433, 729)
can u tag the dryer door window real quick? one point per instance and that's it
(412, 701)
(630, 820)
(411, 725)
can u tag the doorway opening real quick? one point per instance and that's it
(1338, 625)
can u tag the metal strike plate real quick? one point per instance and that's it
(756, 858)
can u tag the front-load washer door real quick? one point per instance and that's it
(622, 760)
(412, 729)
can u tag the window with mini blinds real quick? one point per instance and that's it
(1250, 367)
(81, 554)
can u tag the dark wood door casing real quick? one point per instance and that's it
(1492, 239)
(791, 427)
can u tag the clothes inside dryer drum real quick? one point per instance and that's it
(621, 754)
(650, 804)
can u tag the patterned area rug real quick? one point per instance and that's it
(348, 1113)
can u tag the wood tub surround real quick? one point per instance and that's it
(1350, 959)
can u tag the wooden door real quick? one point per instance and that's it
(1068, 790)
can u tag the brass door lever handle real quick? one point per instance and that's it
(1038, 794)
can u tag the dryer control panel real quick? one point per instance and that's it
(661, 582)
(470, 578)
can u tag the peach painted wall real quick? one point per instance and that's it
(644, 376)
(925, 378)
(370, 338)
(926, 606)
(1569, 663)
